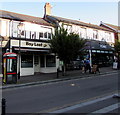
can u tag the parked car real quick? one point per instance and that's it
(77, 64)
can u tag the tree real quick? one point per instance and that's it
(117, 46)
(67, 46)
(117, 51)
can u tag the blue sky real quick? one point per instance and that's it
(90, 12)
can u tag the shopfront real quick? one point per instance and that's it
(101, 53)
(35, 57)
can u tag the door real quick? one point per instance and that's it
(36, 63)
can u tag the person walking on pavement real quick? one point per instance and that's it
(87, 65)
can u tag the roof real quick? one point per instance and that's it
(76, 22)
(113, 27)
(22, 17)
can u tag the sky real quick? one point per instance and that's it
(89, 12)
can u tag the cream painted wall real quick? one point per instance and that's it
(87, 33)
(4, 27)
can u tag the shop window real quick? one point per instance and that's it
(41, 35)
(26, 61)
(50, 61)
(42, 61)
(45, 35)
(36, 60)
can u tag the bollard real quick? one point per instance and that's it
(57, 72)
(3, 106)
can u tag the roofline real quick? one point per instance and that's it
(25, 20)
(109, 26)
(99, 27)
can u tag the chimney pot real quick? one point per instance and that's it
(47, 9)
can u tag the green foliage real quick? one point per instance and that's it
(117, 46)
(67, 46)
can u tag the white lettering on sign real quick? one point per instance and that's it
(103, 46)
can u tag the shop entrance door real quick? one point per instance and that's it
(36, 63)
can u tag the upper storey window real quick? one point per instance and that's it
(95, 34)
(83, 32)
(30, 31)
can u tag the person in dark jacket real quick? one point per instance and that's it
(87, 65)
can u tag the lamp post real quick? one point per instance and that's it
(90, 53)
(20, 26)
(1, 38)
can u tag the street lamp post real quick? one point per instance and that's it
(90, 53)
(1, 38)
(20, 26)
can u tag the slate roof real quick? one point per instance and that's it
(114, 27)
(22, 17)
(76, 22)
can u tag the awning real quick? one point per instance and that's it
(33, 50)
(98, 45)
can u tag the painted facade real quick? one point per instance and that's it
(29, 41)
(27, 36)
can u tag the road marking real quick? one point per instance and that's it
(81, 104)
(72, 84)
(107, 109)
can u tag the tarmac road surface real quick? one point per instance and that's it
(46, 98)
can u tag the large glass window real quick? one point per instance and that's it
(42, 61)
(26, 61)
(50, 61)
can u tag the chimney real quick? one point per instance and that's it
(47, 9)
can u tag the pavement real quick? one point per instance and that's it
(41, 78)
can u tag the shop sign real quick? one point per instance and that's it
(103, 46)
(34, 44)
(29, 44)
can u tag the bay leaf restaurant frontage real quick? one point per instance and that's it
(27, 36)
(35, 57)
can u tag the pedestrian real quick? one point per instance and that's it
(87, 65)
(95, 68)
(83, 66)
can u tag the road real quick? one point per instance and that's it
(51, 97)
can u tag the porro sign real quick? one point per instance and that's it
(103, 46)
